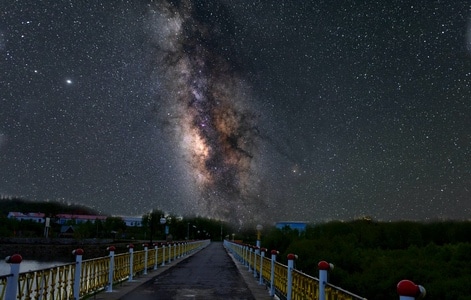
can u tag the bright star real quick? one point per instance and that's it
(68, 81)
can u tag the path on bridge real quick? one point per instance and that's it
(208, 274)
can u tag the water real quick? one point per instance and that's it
(30, 265)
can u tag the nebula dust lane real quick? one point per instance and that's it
(207, 102)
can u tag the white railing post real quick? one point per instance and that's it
(174, 251)
(408, 290)
(262, 255)
(131, 261)
(323, 267)
(163, 254)
(111, 269)
(274, 253)
(146, 251)
(257, 251)
(12, 281)
(78, 272)
(169, 252)
(249, 261)
(156, 256)
(246, 255)
(289, 284)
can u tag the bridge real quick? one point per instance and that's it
(181, 270)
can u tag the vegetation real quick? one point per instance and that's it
(370, 258)
(179, 228)
(50, 208)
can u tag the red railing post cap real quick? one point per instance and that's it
(274, 252)
(14, 259)
(78, 251)
(145, 245)
(263, 249)
(408, 288)
(325, 266)
(130, 246)
(111, 248)
(292, 256)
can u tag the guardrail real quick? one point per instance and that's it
(87, 277)
(288, 283)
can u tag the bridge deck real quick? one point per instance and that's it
(208, 274)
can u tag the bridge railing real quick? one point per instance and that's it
(283, 280)
(87, 277)
(289, 283)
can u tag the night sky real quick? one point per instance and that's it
(240, 110)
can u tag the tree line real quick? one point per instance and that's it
(371, 257)
(178, 227)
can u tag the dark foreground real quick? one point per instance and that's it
(208, 274)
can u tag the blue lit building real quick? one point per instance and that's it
(294, 225)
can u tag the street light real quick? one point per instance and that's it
(163, 221)
(259, 233)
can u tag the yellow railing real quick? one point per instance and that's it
(58, 282)
(281, 278)
(303, 286)
(266, 269)
(94, 275)
(138, 265)
(121, 267)
(52, 283)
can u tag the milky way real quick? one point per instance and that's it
(207, 109)
(240, 110)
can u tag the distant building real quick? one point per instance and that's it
(294, 225)
(78, 219)
(35, 217)
(63, 219)
(67, 231)
(132, 221)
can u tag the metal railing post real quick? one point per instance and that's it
(156, 256)
(249, 261)
(163, 254)
(146, 250)
(323, 267)
(289, 284)
(111, 269)
(408, 290)
(262, 255)
(274, 253)
(131, 261)
(78, 272)
(12, 281)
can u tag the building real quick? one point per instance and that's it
(132, 221)
(62, 219)
(35, 217)
(294, 225)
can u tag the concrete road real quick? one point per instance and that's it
(208, 274)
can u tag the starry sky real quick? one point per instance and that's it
(240, 110)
